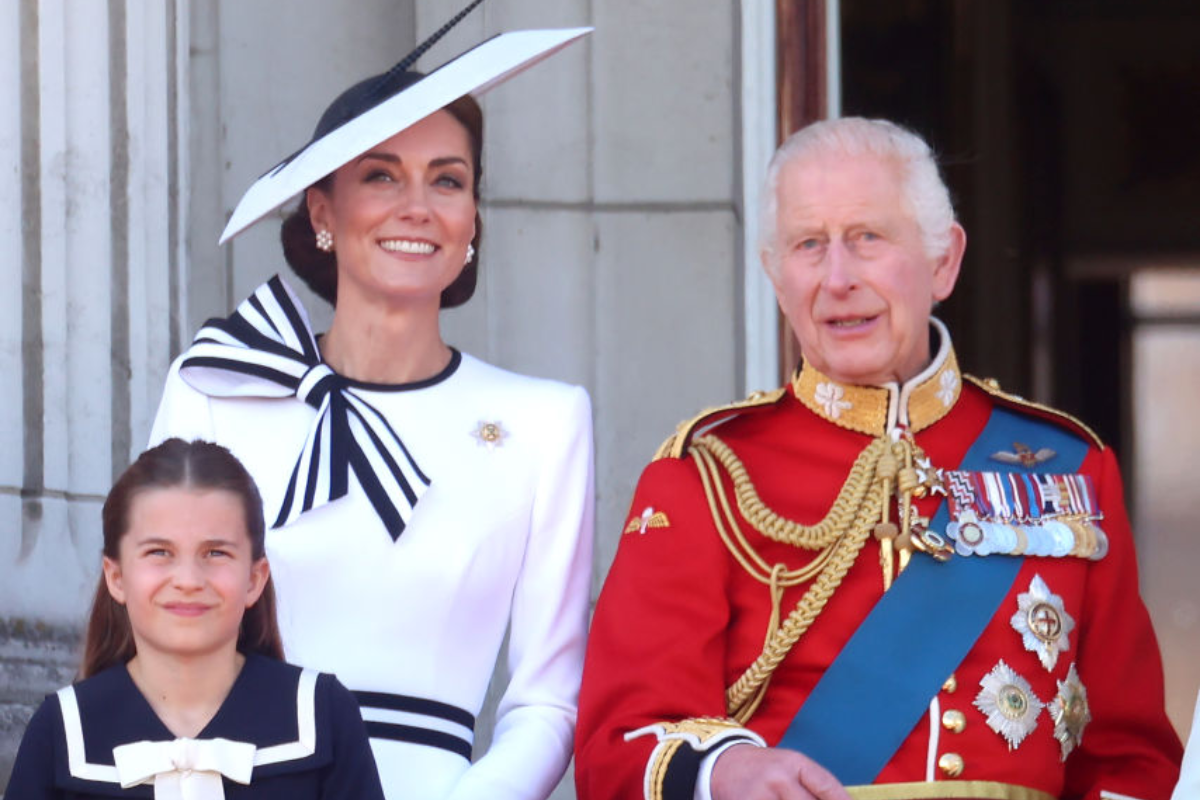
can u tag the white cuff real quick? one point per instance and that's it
(704, 776)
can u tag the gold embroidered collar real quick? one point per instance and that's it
(875, 410)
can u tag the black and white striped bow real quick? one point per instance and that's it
(267, 349)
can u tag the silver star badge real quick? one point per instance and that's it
(1070, 712)
(930, 477)
(1008, 702)
(1044, 625)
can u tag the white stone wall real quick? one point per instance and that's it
(91, 211)
(90, 223)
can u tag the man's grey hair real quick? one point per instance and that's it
(922, 189)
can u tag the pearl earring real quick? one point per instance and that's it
(324, 241)
(470, 254)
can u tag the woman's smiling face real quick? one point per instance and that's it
(402, 214)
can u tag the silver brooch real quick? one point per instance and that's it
(490, 434)
(1044, 625)
(1008, 702)
(1070, 712)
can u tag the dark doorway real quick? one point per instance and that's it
(1070, 137)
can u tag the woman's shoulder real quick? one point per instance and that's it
(477, 371)
(549, 406)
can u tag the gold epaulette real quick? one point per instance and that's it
(677, 443)
(992, 387)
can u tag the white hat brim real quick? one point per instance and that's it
(474, 72)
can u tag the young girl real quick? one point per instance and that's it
(184, 695)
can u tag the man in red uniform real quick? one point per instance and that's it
(886, 579)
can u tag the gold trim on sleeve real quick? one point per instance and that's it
(945, 790)
(699, 733)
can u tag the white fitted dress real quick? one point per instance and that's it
(413, 621)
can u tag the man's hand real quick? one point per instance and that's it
(746, 772)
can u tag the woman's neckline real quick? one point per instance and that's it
(408, 386)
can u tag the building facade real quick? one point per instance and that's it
(619, 208)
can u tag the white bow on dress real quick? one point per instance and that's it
(267, 349)
(185, 769)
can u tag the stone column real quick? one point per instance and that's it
(90, 219)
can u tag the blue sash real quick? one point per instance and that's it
(876, 690)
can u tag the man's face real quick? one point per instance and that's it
(851, 273)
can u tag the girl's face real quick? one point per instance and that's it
(402, 214)
(185, 572)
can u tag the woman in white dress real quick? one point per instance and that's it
(427, 507)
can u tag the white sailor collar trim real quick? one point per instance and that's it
(875, 410)
(303, 746)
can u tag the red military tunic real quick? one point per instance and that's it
(679, 619)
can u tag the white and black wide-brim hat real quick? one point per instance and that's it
(374, 110)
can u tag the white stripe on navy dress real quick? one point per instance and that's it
(267, 349)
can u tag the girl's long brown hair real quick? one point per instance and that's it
(188, 465)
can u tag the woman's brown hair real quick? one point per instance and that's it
(317, 268)
(170, 465)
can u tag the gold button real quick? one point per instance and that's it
(951, 764)
(954, 720)
(951, 685)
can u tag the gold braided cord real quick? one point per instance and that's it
(775, 527)
(731, 532)
(740, 697)
(839, 538)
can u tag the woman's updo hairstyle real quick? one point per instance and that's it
(317, 268)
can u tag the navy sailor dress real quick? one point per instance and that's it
(283, 732)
